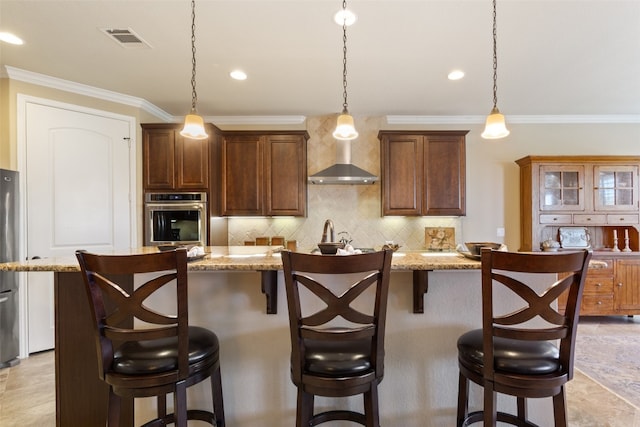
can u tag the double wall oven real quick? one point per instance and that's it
(175, 219)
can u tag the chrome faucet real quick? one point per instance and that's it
(346, 238)
(328, 225)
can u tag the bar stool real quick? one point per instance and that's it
(164, 355)
(337, 359)
(509, 355)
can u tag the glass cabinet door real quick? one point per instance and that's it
(615, 188)
(561, 188)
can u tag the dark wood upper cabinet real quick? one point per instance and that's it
(264, 173)
(242, 175)
(286, 179)
(172, 162)
(423, 173)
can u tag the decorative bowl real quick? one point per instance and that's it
(330, 248)
(474, 248)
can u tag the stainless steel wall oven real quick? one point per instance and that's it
(175, 219)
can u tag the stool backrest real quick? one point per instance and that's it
(502, 269)
(317, 274)
(119, 315)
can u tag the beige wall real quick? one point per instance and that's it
(492, 175)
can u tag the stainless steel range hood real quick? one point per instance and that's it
(343, 172)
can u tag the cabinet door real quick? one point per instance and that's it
(242, 175)
(615, 188)
(158, 159)
(561, 188)
(192, 163)
(286, 170)
(444, 175)
(402, 171)
(627, 286)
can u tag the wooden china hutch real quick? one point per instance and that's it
(587, 201)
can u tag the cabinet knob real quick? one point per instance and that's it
(599, 303)
(619, 284)
(598, 285)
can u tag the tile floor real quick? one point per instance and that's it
(27, 390)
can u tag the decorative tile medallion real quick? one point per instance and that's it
(440, 239)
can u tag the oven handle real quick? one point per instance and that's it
(171, 206)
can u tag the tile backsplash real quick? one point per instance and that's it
(355, 209)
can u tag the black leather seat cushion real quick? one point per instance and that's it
(514, 356)
(335, 359)
(153, 356)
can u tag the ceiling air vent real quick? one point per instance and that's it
(125, 38)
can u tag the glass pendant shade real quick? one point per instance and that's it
(345, 130)
(495, 126)
(193, 127)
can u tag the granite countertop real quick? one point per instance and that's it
(254, 258)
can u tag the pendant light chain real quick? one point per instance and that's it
(344, 58)
(194, 95)
(495, 58)
(345, 130)
(495, 126)
(193, 123)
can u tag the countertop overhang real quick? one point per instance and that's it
(254, 258)
(267, 261)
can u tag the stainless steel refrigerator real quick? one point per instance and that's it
(9, 246)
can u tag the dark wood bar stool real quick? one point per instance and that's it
(337, 359)
(161, 355)
(511, 356)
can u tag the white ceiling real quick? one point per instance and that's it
(555, 57)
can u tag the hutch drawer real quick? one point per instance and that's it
(589, 219)
(556, 219)
(623, 219)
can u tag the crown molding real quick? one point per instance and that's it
(256, 120)
(248, 120)
(85, 90)
(107, 95)
(549, 119)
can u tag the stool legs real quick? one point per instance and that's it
(305, 408)
(216, 391)
(490, 407)
(115, 403)
(371, 413)
(180, 404)
(463, 404)
(559, 409)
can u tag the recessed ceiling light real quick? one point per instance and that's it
(238, 75)
(10, 38)
(456, 75)
(345, 16)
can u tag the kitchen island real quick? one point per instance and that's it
(421, 375)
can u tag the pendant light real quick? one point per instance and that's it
(495, 127)
(345, 130)
(193, 123)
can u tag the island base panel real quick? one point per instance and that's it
(81, 396)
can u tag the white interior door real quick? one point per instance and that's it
(78, 185)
